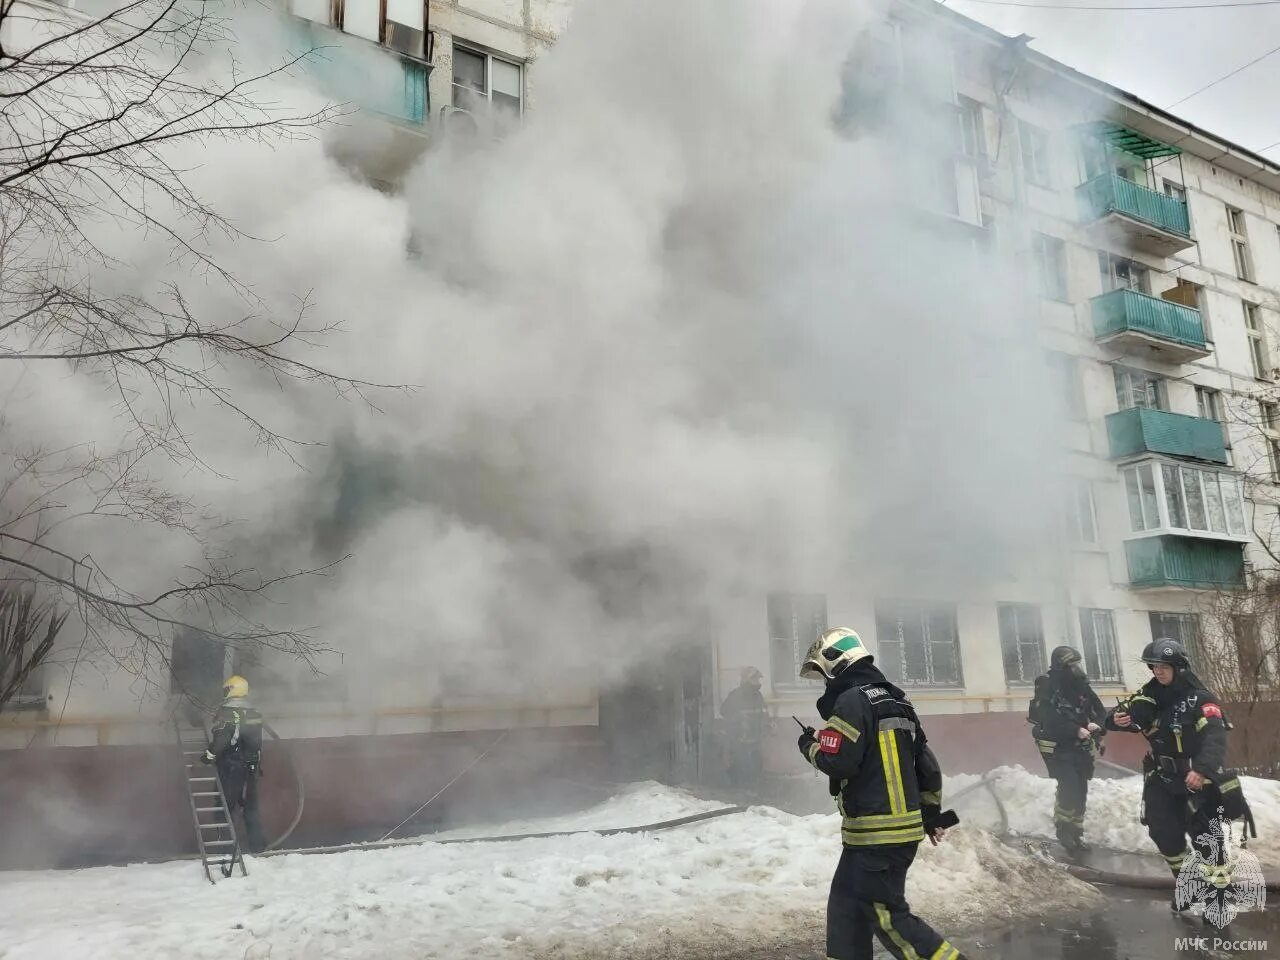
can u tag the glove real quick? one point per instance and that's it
(806, 740)
(208, 757)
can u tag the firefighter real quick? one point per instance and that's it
(1186, 782)
(1068, 718)
(745, 716)
(888, 787)
(236, 748)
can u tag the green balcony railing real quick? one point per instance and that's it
(1140, 430)
(1174, 561)
(1108, 193)
(356, 71)
(1129, 310)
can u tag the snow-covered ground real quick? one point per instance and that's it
(750, 878)
(1111, 819)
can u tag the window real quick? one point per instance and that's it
(795, 621)
(1021, 641)
(1251, 657)
(1240, 243)
(919, 643)
(1175, 190)
(399, 24)
(481, 81)
(973, 135)
(1209, 407)
(1067, 391)
(1098, 638)
(1209, 403)
(1257, 348)
(1051, 265)
(1183, 627)
(197, 665)
(1270, 416)
(1168, 496)
(1035, 154)
(1137, 388)
(1273, 452)
(1082, 519)
(1120, 273)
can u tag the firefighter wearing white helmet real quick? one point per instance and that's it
(888, 787)
(236, 747)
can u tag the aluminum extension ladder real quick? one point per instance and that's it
(210, 816)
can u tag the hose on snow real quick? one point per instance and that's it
(1088, 874)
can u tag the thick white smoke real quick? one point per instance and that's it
(676, 317)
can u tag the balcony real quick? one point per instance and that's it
(1127, 215)
(1140, 431)
(353, 70)
(1174, 561)
(1135, 322)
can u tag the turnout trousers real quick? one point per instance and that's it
(868, 898)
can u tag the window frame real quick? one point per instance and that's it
(797, 638)
(1132, 480)
(1175, 190)
(1258, 353)
(1052, 277)
(924, 613)
(489, 58)
(1089, 619)
(1238, 230)
(335, 19)
(1036, 151)
(1015, 613)
(1150, 381)
(1080, 495)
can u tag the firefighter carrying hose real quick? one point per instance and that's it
(1067, 715)
(888, 786)
(1186, 781)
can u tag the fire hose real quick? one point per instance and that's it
(1088, 874)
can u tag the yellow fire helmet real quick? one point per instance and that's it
(236, 686)
(833, 653)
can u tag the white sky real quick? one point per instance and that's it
(1164, 55)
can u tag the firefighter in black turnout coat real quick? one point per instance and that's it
(236, 748)
(1068, 716)
(888, 787)
(1186, 780)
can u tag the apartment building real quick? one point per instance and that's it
(1151, 250)
(1152, 254)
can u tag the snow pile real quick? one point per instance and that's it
(1111, 819)
(754, 878)
(635, 804)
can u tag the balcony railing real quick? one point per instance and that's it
(1112, 194)
(1128, 311)
(354, 70)
(1141, 430)
(1173, 561)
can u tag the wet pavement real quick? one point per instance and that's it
(1131, 926)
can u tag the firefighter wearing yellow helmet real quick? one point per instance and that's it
(888, 787)
(236, 748)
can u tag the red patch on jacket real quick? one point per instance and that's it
(1211, 710)
(829, 741)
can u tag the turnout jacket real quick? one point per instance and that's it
(1062, 704)
(237, 733)
(886, 780)
(1185, 730)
